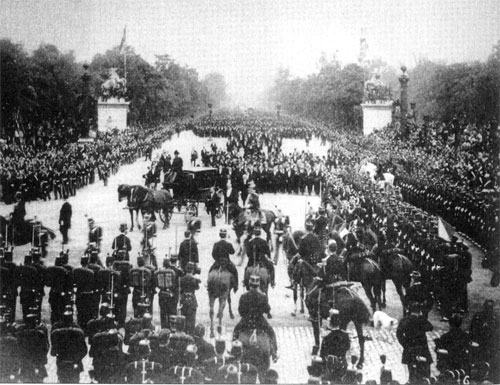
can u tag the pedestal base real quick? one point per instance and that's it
(376, 116)
(112, 114)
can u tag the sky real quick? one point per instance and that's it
(248, 40)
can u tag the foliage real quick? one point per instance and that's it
(49, 87)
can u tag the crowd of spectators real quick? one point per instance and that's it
(54, 164)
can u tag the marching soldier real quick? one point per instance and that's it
(9, 283)
(95, 234)
(30, 282)
(143, 370)
(188, 303)
(61, 286)
(141, 279)
(220, 253)
(33, 348)
(108, 358)
(411, 334)
(101, 323)
(186, 373)
(259, 253)
(109, 284)
(484, 329)
(168, 283)
(252, 307)
(179, 340)
(85, 285)
(188, 251)
(336, 343)
(236, 372)
(68, 345)
(205, 349)
(121, 244)
(95, 266)
(123, 267)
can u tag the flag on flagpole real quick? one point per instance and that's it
(124, 38)
(445, 230)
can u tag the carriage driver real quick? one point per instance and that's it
(252, 203)
(220, 253)
(253, 304)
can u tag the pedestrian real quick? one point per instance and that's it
(65, 220)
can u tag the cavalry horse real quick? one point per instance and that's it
(219, 286)
(256, 350)
(144, 199)
(339, 295)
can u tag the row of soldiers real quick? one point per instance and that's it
(138, 353)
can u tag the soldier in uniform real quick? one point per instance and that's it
(95, 234)
(179, 340)
(60, 281)
(108, 358)
(188, 303)
(109, 284)
(236, 372)
(188, 251)
(9, 353)
(483, 330)
(168, 283)
(95, 266)
(186, 373)
(142, 282)
(337, 342)
(33, 348)
(411, 334)
(455, 346)
(333, 266)
(124, 267)
(85, 285)
(205, 349)
(211, 365)
(143, 370)
(321, 226)
(65, 220)
(259, 253)
(419, 295)
(30, 281)
(281, 223)
(121, 243)
(68, 345)
(252, 307)
(220, 253)
(310, 246)
(9, 284)
(212, 203)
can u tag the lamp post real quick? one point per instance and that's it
(403, 81)
(278, 109)
(210, 117)
(86, 101)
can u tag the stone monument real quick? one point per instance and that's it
(112, 108)
(377, 105)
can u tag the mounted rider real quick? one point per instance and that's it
(220, 253)
(253, 304)
(252, 204)
(259, 253)
(333, 267)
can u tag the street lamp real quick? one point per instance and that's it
(278, 109)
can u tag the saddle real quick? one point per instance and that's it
(257, 215)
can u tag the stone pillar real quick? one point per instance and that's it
(403, 80)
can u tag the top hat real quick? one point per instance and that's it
(223, 233)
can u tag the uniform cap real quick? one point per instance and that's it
(309, 225)
(236, 347)
(257, 230)
(176, 152)
(220, 345)
(123, 227)
(144, 348)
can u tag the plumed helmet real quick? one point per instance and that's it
(254, 281)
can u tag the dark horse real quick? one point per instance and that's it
(242, 222)
(32, 231)
(396, 267)
(339, 295)
(144, 199)
(219, 286)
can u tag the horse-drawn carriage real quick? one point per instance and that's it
(190, 188)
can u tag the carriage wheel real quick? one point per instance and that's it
(191, 211)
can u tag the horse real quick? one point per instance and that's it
(256, 350)
(339, 295)
(302, 274)
(31, 231)
(144, 199)
(363, 269)
(242, 222)
(396, 267)
(262, 272)
(219, 286)
(291, 243)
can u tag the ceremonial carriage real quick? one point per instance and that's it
(189, 189)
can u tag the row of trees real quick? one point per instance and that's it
(469, 91)
(49, 87)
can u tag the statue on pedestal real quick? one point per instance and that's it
(114, 87)
(376, 91)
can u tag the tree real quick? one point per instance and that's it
(215, 85)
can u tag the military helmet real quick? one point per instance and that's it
(254, 281)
